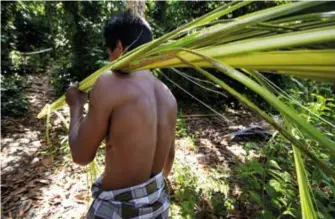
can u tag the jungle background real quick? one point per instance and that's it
(222, 169)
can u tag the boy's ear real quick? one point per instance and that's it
(119, 47)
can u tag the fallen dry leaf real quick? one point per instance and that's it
(43, 181)
(47, 161)
(10, 215)
(24, 207)
(18, 191)
(35, 160)
(81, 198)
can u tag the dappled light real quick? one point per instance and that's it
(255, 115)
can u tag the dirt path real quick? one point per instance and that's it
(33, 183)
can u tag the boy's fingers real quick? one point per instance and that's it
(74, 84)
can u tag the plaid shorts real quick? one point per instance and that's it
(145, 201)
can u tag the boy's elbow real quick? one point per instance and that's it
(79, 157)
(81, 160)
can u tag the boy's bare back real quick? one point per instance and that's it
(141, 127)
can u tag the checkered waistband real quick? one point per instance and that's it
(147, 200)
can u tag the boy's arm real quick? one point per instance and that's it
(87, 133)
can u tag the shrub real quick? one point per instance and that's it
(13, 98)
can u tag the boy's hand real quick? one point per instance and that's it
(75, 97)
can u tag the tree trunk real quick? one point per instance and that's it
(136, 7)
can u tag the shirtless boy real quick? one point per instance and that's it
(136, 114)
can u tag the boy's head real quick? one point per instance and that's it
(124, 32)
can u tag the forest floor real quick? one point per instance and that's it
(38, 179)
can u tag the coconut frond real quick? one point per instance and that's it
(285, 39)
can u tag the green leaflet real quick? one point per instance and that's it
(307, 208)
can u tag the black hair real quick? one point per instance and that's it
(130, 29)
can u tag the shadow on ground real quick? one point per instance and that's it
(26, 171)
(218, 155)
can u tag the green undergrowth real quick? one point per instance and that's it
(198, 194)
(266, 181)
(269, 184)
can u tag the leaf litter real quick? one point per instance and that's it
(35, 184)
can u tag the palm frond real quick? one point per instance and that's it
(160, 53)
(285, 39)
